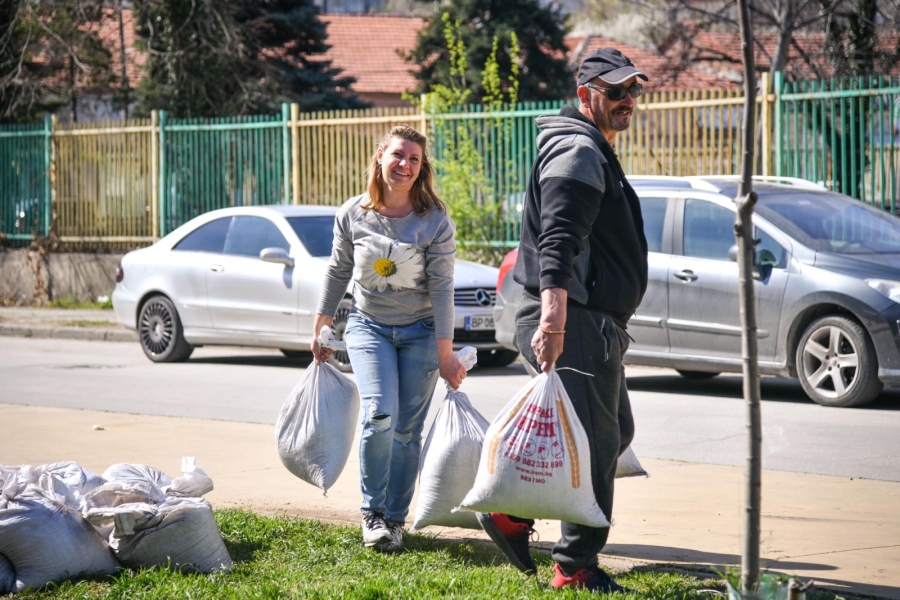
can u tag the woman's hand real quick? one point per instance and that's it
(320, 354)
(451, 369)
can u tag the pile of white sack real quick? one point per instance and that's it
(60, 521)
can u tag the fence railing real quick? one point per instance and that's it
(130, 183)
(25, 193)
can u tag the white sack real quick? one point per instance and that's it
(7, 576)
(193, 483)
(535, 462)
(180, 534)
(449, 464)
(45, 541)
(629, 465)
(66, 482)
(315, 428)
(136, 473)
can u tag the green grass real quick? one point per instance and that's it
(86, 323)
(279, 557)
(70, 302)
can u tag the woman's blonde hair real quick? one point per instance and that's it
(422, 193)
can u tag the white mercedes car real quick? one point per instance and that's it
(252, 276)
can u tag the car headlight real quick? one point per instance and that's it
(891, 289)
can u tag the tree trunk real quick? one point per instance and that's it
(743, 228)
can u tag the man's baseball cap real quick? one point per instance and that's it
(608, 64)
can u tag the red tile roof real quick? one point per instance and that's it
(366, 47)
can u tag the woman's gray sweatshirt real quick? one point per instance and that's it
(401, 268)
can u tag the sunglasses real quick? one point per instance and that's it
(618, 93)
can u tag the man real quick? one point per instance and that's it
(583, 264)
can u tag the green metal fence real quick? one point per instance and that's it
(505, 142)
(207, 164)
(129, 183)
(24, 181)
(841, 133)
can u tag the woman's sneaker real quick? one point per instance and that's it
(396, 543)
(511, 535)
(375, 530)
(594, 579)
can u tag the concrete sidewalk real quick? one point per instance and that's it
(842, 533)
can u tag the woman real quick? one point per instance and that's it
(396, 245)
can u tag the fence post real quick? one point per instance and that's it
(286, 151)
(766, 122)
(295, 151)
(154, 174)
(424, 114)
(779, 134)
(50, 170)
(162, 174)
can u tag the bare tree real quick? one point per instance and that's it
(743, 228)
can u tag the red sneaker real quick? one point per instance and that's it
(511, 536)
(594, 579)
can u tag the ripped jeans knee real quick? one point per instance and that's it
(379, 423)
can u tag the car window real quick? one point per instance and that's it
(832, 222)
(316, 233)
(708, 230)
(249, 235)
(653, 211)
(206, 238)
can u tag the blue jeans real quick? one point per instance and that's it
(396, 371)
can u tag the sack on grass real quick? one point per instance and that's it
(66, 481)
(449, 459)
(45, 541)
(7, 576)
(315, 428)
(628, 465)
(535, 462)
(180, 534)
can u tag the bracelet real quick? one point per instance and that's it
(551, 331)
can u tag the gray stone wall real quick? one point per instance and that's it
(27, 278)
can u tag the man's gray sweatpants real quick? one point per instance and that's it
(593, 344)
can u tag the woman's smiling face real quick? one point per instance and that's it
(401, 162)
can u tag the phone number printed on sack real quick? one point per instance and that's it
(534, 444)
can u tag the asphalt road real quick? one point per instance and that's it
(677, 419)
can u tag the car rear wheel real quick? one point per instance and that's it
(836, 363)
(340, 359)
(499, 357)
(696, 374)
(160, 332)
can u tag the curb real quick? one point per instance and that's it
(71, 333)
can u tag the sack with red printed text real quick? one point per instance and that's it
(535, 462)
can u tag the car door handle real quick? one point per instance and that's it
(216, 268)
(686, 275)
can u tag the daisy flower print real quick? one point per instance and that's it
(390, 264)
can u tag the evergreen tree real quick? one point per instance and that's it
(544, 72)
(195, 58)
(210, 58)
(289, 38)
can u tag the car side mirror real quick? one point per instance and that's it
(276, 255)
(766, 258)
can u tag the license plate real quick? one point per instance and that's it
(478, 323)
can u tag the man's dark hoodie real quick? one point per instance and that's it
(582, 228)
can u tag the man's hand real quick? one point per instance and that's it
(548, 346)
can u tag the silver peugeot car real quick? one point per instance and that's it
(827, 277)
(252, 276)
